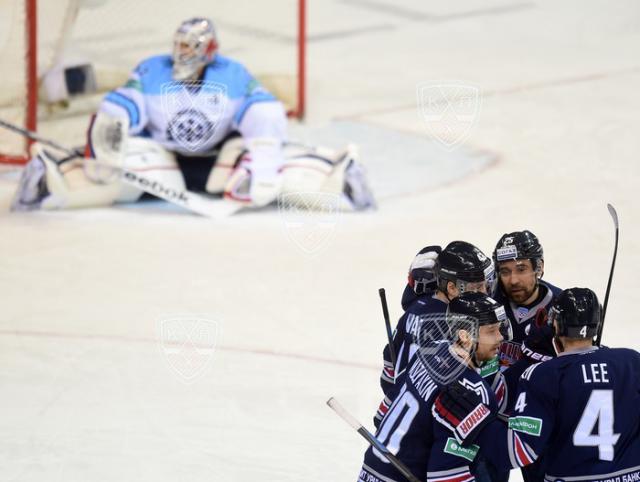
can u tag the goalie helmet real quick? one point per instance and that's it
(462, 263)
(520, 245)
(470, 311)
(194, 46)
(577, 313)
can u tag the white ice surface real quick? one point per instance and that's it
(86, 391)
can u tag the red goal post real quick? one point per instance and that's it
(42, 39)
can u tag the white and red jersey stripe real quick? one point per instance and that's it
(460, 474)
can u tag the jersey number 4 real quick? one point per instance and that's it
(599, 410)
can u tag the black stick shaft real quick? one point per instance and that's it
(387, 322)
(37, 137)
(614, 216)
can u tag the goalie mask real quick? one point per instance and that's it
(194, 46)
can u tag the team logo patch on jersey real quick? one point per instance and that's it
(521, 313)
(193, 111)
(529, 425)
(449, 110)
(310, 219)
(454, 448)
(188, 344)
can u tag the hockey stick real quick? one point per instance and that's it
(189, 200)
(385, 313)
(373, 441)
(614, 216)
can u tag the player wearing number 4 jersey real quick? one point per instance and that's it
(580, 410)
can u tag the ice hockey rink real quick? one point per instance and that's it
(94, 388)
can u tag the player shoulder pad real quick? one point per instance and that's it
(554, 289)
(154, 66)
(528, 373)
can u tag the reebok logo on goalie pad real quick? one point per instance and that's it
(473, 420)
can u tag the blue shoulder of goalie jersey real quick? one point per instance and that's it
(155, 72)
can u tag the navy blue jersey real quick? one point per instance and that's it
(408, 297)
(520, 317)
(581, 411)
(403, 338)
(416, 437)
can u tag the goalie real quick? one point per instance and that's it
(192, 120)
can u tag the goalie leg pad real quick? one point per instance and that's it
(44, 186)
(338, 173)
(228, 159)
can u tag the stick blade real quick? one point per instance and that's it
(614, 214)
(344, 415)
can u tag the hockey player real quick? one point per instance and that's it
(581, 409)
(197, 120)
(460, 267)
(412, 429)
(519, 261)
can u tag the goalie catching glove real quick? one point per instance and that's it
(463, 411)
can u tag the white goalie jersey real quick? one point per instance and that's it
(192, 117)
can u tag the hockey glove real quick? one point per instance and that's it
(538, 345)
(421, 272)
(463, 411)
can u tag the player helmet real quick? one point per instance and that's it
(520, 245)
(471, 310)
(421, 272)
(462, 263)
(577, 313)
(194, 46)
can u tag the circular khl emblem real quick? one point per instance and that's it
(449, 110)
(193, 111)
(190, 127)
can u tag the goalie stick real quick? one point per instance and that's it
(385, 313)
(614, 216)
(212, 208)
(369, 437)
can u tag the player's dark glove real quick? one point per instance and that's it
(463, 411)
(538, 345)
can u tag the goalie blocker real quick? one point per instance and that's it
(93, 181)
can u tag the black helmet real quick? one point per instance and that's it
(461, 262)
(421, 272)
(519, 245)
(577, 313)
(477, 309)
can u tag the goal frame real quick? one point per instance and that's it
(31, 75)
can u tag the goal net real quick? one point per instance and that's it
(59, 57)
